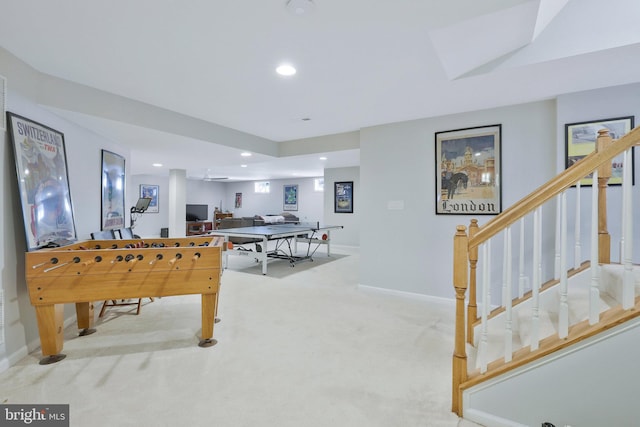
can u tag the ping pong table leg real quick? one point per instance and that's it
(328, 243)
(263, 256)
(225, 257)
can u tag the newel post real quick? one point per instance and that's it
(472, 307)
(460, 250)
(604, 173)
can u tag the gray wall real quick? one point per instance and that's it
(398, 165)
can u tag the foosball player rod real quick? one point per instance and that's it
(91, 261)
(196, 256)
(156, 259)
(75, 261)
(53, 260)
(174, 259)
(117, 259)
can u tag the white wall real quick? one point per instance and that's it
(310, 202)
(410, 249)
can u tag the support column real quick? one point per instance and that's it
(177, 202)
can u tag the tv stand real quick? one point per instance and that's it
(195, 228)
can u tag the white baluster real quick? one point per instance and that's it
(627, 231)
(563, 314)
(486, 295)
(577, 254)
(623, 211)
(522, 278)
(594, 290)
(536, 277)
(508, 332)
(556, 269)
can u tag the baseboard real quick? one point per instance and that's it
(486, 419)
(25, 350)
(411, 295)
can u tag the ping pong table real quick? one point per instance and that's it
(286, 238)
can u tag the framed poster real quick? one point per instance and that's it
(468, 171)
(290, 193)
(150, 192)
(238, 200)
(113, 185)
(343, 197)
(580, 140)
(43, 181)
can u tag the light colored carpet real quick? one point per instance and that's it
(299, 347)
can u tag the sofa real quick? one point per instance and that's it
(250, 221)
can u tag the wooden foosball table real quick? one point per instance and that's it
(100, 270)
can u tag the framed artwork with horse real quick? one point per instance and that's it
(468, 171)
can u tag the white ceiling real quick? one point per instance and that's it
(360, 63)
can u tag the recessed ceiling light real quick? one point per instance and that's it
(300, 7)
(323, 158)
(245, 154)
(157, 165)
(243, 166)
(286, 70)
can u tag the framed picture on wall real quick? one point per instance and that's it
(151, 192)
(580, 139)
(468, 171)
(112, 186)
(290, 194)
(343, 197)
(238, 200)
(43, 181)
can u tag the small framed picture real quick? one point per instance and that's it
(238, 200)
(151, 192)
(290, 194)
(343, 197)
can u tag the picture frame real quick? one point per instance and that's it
(469, 171)
(343, 197)
(238, 204)
(580, 140)
(152, 192)
(290, 198)
(112, 184)
(43, 183)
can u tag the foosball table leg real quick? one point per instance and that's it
(208, 316)
(50, 327)
(84, 314)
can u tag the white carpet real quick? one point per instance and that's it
(301, 348)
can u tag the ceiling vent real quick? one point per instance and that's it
(3, 103)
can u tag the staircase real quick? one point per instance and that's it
(527, 306)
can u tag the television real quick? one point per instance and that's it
(197, 212)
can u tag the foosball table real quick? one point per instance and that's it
(101, 270)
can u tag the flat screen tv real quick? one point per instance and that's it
(197, 212)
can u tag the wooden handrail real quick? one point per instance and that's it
(554, 187)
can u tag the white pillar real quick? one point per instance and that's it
(177, 202)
